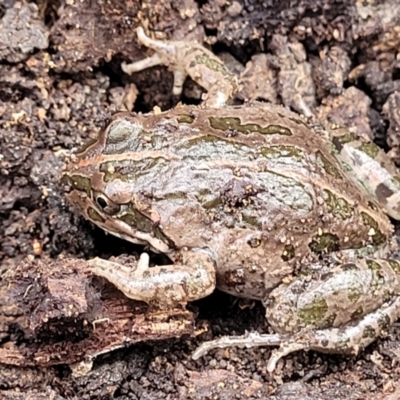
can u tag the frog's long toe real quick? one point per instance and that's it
(140, 65)
(255, 339)
(252, 339)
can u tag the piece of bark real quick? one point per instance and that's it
(51, 314)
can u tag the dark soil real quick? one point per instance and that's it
(60, 77)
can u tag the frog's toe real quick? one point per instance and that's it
(284, 349)
(252, 339)
(141, 65)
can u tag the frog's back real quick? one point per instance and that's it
(247, 181)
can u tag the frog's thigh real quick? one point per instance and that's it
(166, 286)
(350, 339)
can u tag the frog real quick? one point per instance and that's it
(252, 199)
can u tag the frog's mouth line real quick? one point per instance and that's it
(121, 229)
(115, 225)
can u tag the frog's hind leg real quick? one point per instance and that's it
(341, 310)
(348, 340)
(163, 286)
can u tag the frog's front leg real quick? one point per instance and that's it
(164, 286)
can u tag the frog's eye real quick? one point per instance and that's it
(105, 204)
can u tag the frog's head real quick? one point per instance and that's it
(102, 184)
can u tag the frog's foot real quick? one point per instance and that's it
(254, 339)
(187, 58)
(165, 54)
(346, 340)
(140, 65)
(165, 286)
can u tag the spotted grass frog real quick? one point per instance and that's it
(250, 199)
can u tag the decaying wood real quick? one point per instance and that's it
(51, 313)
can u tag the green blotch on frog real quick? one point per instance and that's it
(327, 166)
(324, 243)
(339, 207)
(185, 119)
(314, 313)
(95, 216)
(234, 123)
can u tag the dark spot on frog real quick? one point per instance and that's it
(235, 277)
(86, 146)
(137, 220)
(328, 321)
(327, 242)
(382, 192)
(297, 121)
(369, 332)
(254, 242)
(349, 267)
(127, 170)
(356, 159)
(327, 276)
(147, 273)
(288, 252)
(337, 206)
(213, 64)
(384, 322)
(357, 314)
(237, 192)
(388, 295)
(315, 312)
(328, 167)
(339, 141)
(325, 343)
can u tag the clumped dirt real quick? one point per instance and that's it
(60, 79)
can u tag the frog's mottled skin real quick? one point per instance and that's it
(247, 199)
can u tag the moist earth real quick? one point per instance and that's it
(60, 80)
